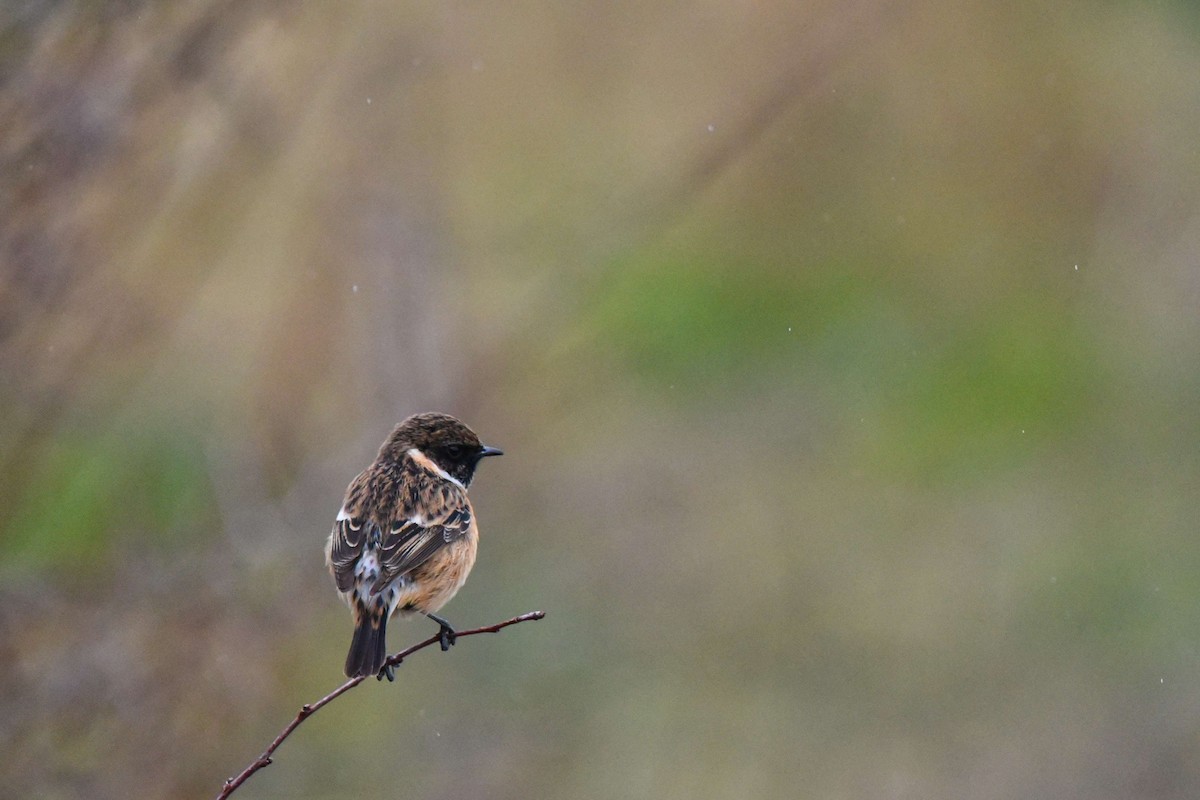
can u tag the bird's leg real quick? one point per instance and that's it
(447, 635)
(386, 671)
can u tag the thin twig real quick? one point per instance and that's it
(308, 710)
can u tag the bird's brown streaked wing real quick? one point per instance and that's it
(408, 544)
(350, 532)
(348, 537)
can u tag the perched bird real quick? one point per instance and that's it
(406, 536)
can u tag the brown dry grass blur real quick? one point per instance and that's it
(845, 356)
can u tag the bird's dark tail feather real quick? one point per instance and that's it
(367, 648)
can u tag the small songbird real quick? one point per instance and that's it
(406, 536)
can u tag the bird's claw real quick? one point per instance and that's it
(447, 636)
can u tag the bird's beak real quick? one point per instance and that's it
(490, 451)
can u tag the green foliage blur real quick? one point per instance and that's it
(844, 358)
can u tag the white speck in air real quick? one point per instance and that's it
(354, 288)
(368, 101)
(711, 127)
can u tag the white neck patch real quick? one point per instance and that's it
(427, 462)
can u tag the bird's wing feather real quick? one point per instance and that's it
(412, 539)
(350, 532)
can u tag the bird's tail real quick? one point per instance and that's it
(367, 648)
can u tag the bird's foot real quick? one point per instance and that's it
(447, 636)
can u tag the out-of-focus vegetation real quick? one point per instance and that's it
(845, 356)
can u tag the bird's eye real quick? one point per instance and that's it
(454, 450)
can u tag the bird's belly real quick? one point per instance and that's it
(431, 585)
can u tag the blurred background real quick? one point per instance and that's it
(845, 356)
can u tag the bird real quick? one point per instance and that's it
(406, 536)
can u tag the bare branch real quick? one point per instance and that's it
(309, 709)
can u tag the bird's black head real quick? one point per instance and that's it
(443, 439)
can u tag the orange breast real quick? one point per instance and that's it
(431, 585)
